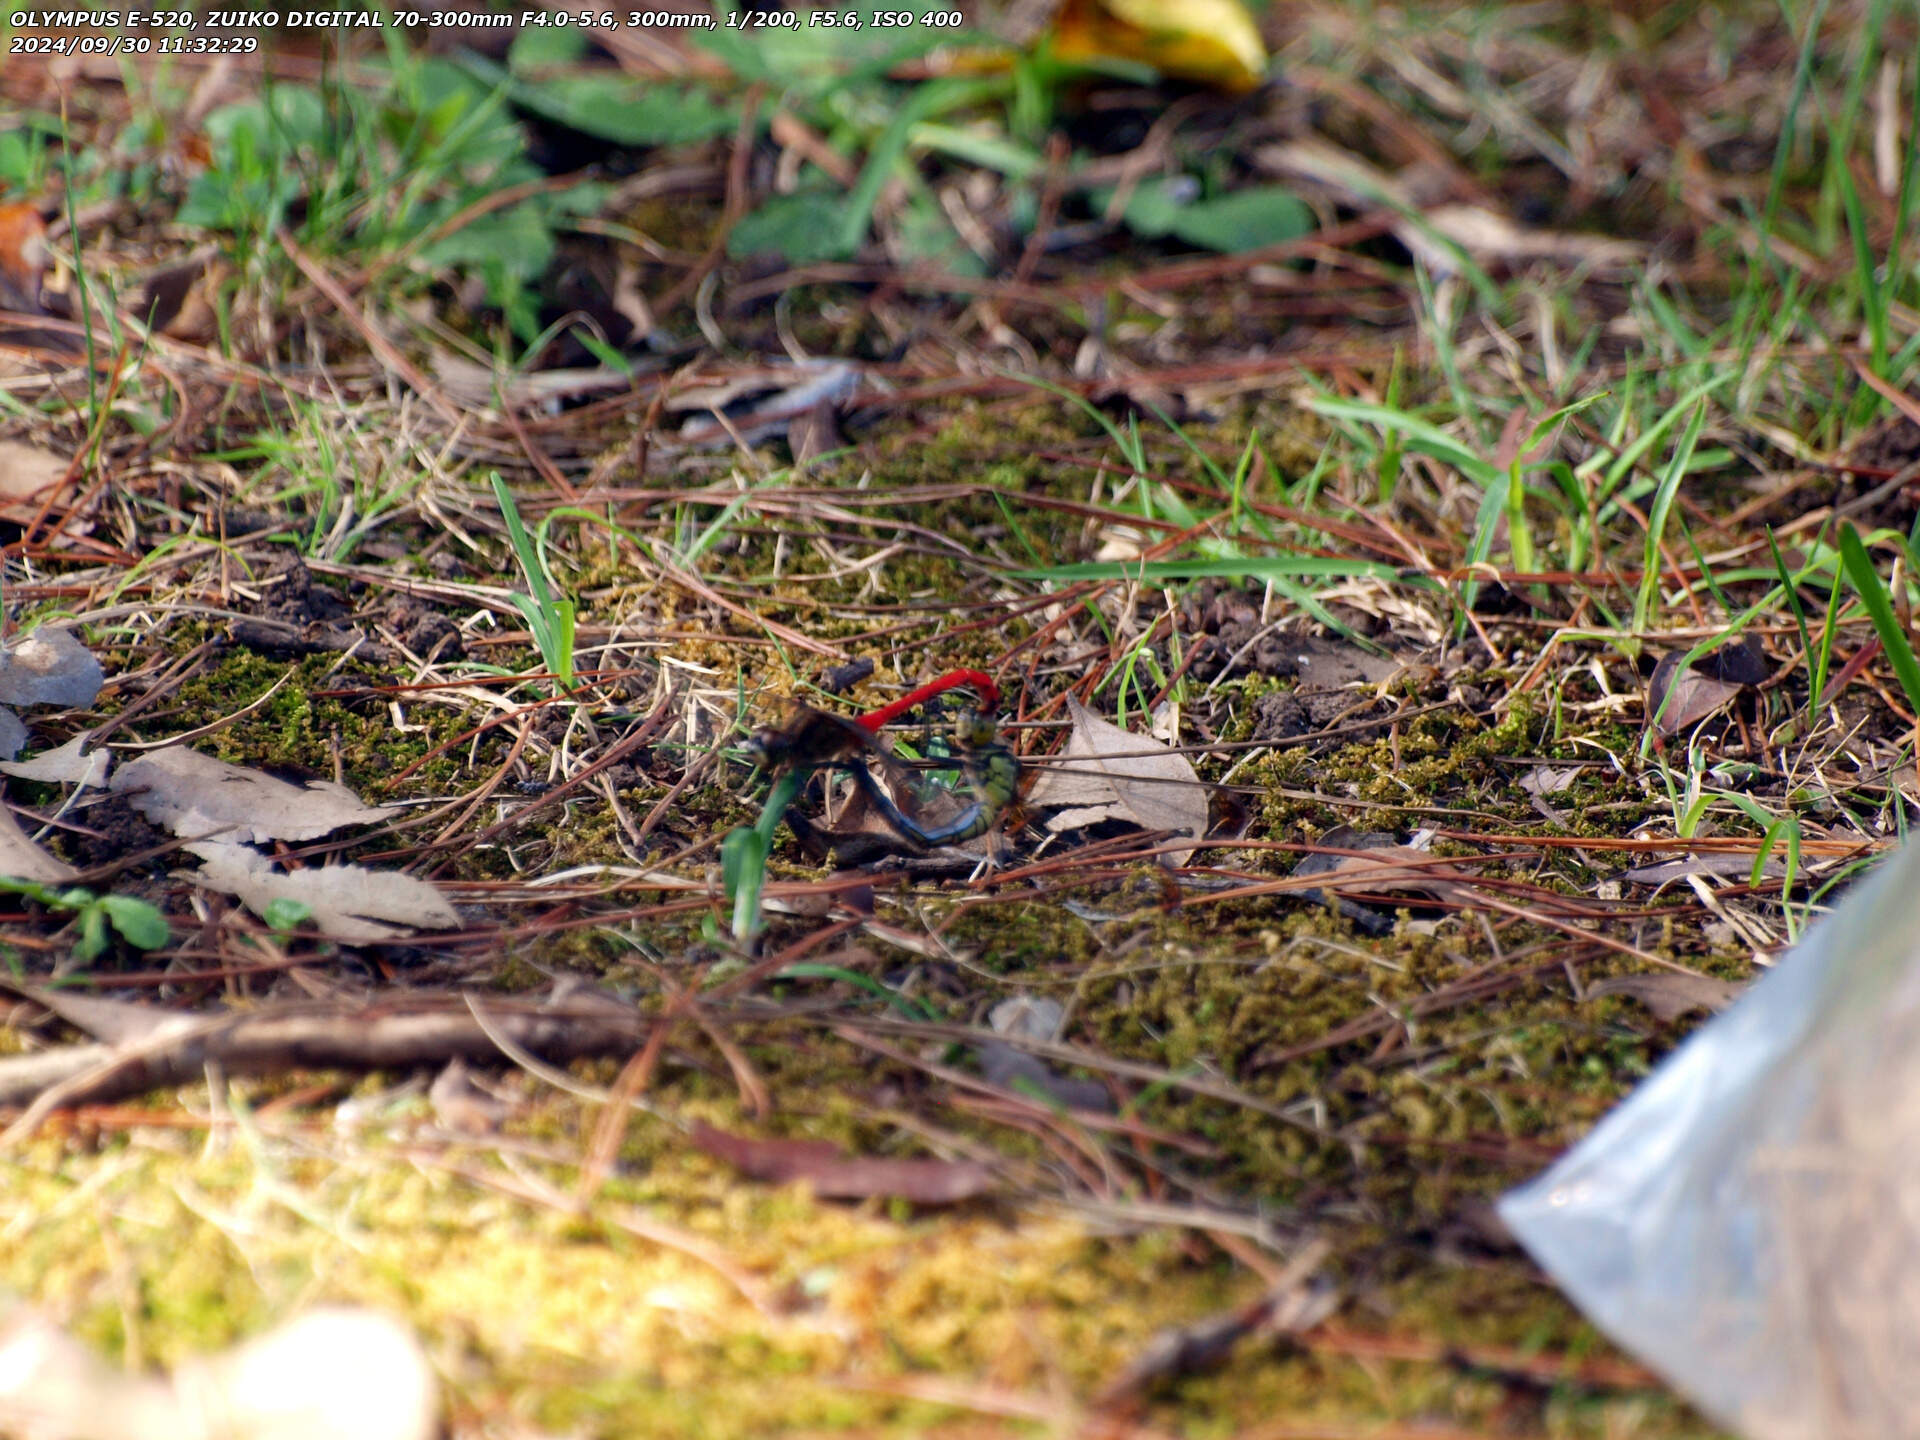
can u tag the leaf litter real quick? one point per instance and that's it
(1107, 773)
(1035, 1017)
(49, 667)
(195, 795)
(21, 859)
(70, 764)
(348, 902)
(220, 807)
(1670, 996)
(26, 473)
(1678, 699)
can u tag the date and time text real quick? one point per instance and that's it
(239, 32)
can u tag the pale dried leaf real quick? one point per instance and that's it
(1486, 235)
(1035, 1017)
(1544, 780)
(115, 1022)
(1683, 698)
(193, 794)
(349, 902)
(26, 470)
(49, 667)
(1341, 174)
(1104, 776)
(21, 859)
(1669, 994)
(1120, 542)
(12, 734)
(64, 765)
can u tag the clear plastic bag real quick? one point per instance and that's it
(1748, 1221)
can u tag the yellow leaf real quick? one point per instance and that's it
(1212, 41)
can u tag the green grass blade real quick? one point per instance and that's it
(1873, 592)
(1657, 513)
(522, 542)
(743, 870)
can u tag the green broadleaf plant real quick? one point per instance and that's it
(549, 620)
(138, 923)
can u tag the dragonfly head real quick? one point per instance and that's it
(974, 731)
(762, 748)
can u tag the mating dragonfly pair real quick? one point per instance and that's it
(811, 739)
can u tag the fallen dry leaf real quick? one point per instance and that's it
(48, 667)
(1035, 1017)
(1681, 701)
(21, 859)
(1543, 781)
(27, 470)
(117, 1022)
(12, 734)
(1738, 662)
(348, 902)
(1103, 774)
(195, 795)
(64, 765)
(1678, 700)
(836, 1175)
(1670, 995)
(815, 433)
(1431, 229)
(480, 388)
(23, 257)
(180, 300)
